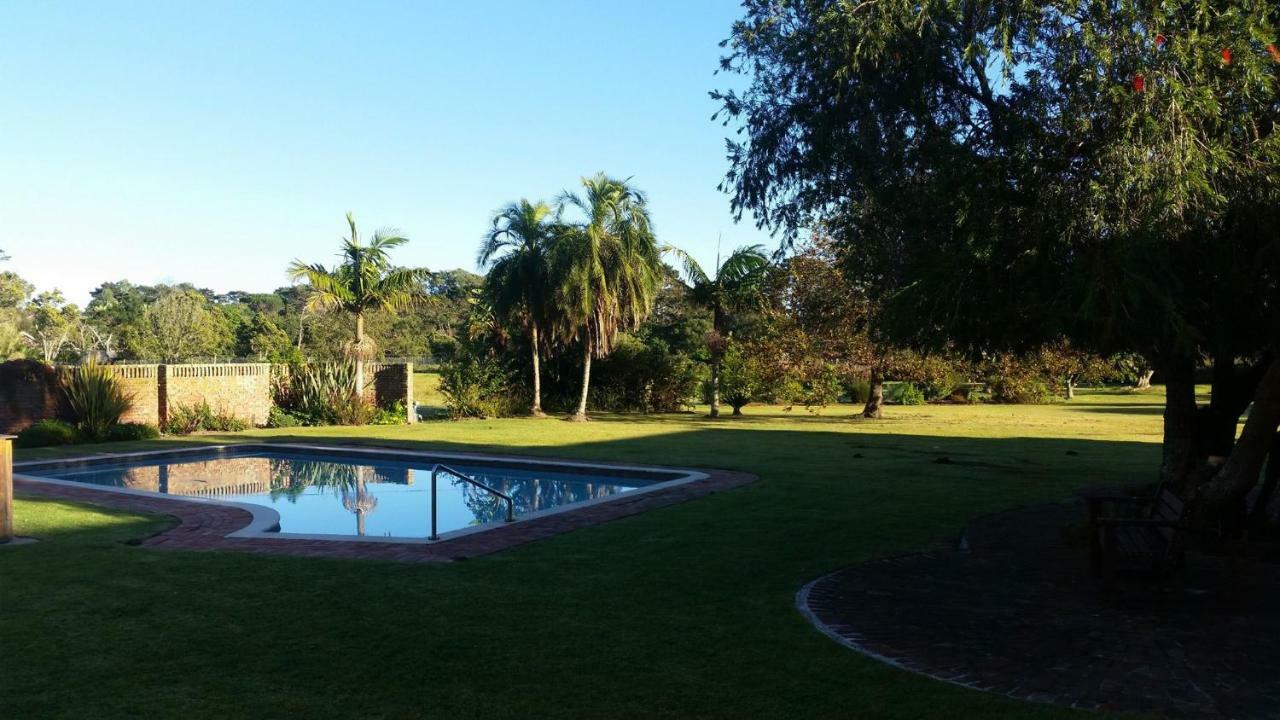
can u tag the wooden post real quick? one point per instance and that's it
(6, 488)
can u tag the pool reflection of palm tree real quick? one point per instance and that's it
(357, 499)
(291, 478)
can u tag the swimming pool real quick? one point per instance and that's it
(360, 493)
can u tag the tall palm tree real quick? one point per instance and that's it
(364, 281)
(738, 284)
(516, 252)
(606, 269)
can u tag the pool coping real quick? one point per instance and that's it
(209, 523)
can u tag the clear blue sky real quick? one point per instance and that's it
(213, 143)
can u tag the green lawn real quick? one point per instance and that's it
(426, 391)
(683, 611)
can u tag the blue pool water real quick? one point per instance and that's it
(338, 493)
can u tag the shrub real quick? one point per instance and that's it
(911, 394)
(278, 417)
(96, 398)
(740, 378)
(858, 390)
(349, 409)
(1021, 390)
(472, 385)
(320, 394)
(820, 389)
(127, 432)
(187, 419)
(393, 414)
(47, 433)
(643, 374)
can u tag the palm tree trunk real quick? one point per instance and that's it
(359, 355)
(537, 375)
(715, 388)
(581, 414)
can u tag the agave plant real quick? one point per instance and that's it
(96, 398)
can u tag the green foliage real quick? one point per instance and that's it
(49, 432)
(321, 394)
(858, 390)
(1039, 191)
(741, 378)
(262, 338)
(187, 419)
(473, 385)
(819, 388)
(129, 432)
(606, 268)
(1020, 389)
(96, 398)
(13, 290)
(643, 374)
(278, 417)
(908, 393)
(394, 414)
(179, 325)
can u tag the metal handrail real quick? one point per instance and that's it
(435, 471)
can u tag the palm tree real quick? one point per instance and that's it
(605, 269)
(738, 284)
(364, 281)
(516, 252)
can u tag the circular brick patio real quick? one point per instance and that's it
(1017, 613)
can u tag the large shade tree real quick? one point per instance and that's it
(364, 281)
(606, 269)
(1008, 173)
(516, 251)
(738, 284)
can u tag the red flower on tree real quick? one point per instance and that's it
(1275, 54)
(1139, 83)
(1226, 56)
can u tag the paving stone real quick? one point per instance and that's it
(1017, 614)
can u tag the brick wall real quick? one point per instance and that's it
(29, 391)
(143, 382)
(240, 389)
(388, 383)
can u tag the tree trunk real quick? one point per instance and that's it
(359, 355)
(1242, 470)
(1071, 389)
(715, 388)
(581, 414)
(875, 399)
(537, 375)
(1179, 447)
(1144, 380)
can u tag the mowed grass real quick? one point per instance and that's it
(686, 611)
(426, 392)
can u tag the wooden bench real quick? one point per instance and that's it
(1136, 535)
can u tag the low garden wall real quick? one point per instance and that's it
(30, 391)
(239, 389)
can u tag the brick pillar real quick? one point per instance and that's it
(408, 394)
(162, 397)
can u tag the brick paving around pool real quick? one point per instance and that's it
(1013, 610)
(204, 525)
